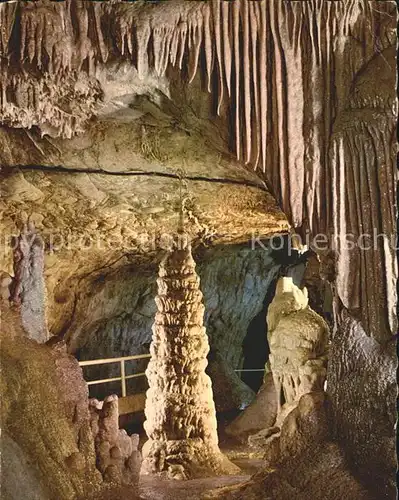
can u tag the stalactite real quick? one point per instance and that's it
(196, 44)
(208, 36)
(277, 77)
(101, 45)
(158, 38)
(236, 38)
(254, 22)
(7, 19)
(174, 47)
(143, 34)
(263, 87)
(227, 57)
(279, 85)
(218, 43)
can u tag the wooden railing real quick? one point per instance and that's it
(122, 361)
(124, 377)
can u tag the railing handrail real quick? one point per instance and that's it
(124, 377)
(251, 370)
(113, 360)
(121, 360)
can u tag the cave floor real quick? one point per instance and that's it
(152, 488)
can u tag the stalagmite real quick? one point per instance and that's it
(298, 345)
(227, 59)
(262, 84)
(28, 287)
(118, 458)
(180, 412)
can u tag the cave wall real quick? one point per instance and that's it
(45, 422)
(362, 368)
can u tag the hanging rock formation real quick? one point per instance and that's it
(297, 161)
(45, 417)
(300, 162)
(180, 413)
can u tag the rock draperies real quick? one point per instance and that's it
(298, 345)
(180, 412)
(236, 39)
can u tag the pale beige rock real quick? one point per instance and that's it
(298, 344)
(180, 412)
(27, 288)
(260, 414)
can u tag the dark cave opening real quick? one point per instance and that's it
(255, 346)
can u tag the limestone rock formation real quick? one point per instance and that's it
(57, 447)
(229, 391)
(45, 416)
(180, 413)
(114, 316)
(27, 288)
(260, 414)
(312, 93)
(97, 225)
(298, 345)
(118, 458)
(301, 163)
(302, 462)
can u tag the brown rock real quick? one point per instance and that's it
(260, 414)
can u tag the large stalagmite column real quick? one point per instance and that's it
(180, 412)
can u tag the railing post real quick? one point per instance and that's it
(123, 379)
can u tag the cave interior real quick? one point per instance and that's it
(198, 271)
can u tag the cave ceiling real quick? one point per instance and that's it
(150, 88)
